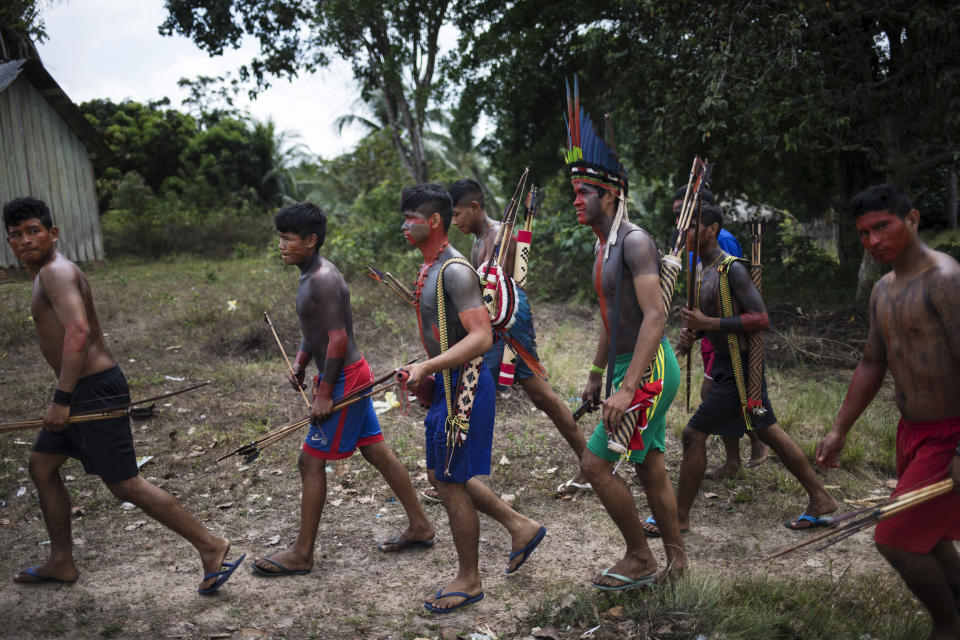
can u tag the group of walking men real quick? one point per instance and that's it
(914, 333)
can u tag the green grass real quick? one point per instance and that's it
(874, 606)
(146, 308)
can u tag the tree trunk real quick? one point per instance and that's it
(952, 198)
(867, 276)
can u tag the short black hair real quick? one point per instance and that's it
(428, 193)
(881, 197)
(466, 188)
(303, 219)
(20, 209)
(705, 195)
(710, 213)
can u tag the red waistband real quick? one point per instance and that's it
(942, 423)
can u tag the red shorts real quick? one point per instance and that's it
(924, 453)
(706, 352)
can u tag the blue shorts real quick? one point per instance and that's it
(472, 458)
(355, 426)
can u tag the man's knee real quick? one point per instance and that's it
(692, 438)
(127, 490)
(898, 558)
(310, 466)
(539, 392)
(44, 468)
(652, 467)
(593, 465)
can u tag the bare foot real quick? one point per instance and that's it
(283, 562)
(472, 588)
(727, 470)
(213, 560)
(633, 569)
(758, 454)
(524, 541)
(48, 572)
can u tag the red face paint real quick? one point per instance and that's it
(415, 228)
(884, 235)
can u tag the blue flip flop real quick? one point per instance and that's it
(813, 520)
(468, 599)
(32, 572)
(526, 551)
(655, 534)
(226, 570)
(628, 583)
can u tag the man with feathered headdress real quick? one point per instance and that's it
(627, 281)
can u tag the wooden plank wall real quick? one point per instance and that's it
(40, 156)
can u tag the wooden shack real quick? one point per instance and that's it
(48, 150)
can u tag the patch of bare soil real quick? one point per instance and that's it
(138, 579)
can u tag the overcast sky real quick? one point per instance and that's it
(111, 49)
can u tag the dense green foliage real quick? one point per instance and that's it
(800, 105)
(178, 187)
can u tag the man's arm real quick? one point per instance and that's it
(864, 385)
(640, 258)
(299, 366)
(60, 285)
(327, 294)
(461, 283)
(595, 379)
(754, 312)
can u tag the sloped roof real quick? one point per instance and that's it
(34, 71)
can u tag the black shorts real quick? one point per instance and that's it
(720, 413)
(104, 447)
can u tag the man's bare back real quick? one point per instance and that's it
(60, 285)
(915, 331)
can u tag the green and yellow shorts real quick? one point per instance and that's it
(665, 367)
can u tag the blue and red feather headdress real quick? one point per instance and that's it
(589, 157)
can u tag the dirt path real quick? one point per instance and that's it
(139, 580)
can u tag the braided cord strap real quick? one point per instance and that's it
(755, 357)
(458, 418)
(726, 306)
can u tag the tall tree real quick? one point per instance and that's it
(392, 47)
(803, 104)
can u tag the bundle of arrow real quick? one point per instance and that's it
(869, 516)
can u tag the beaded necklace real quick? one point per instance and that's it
(422, 275)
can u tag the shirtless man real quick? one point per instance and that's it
(626, 277)
(731, 444)
(721, 413)
(88, 379)
(470, 216)
(326, 322)
(427, 210)
(915, 332)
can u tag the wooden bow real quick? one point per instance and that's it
(251, 451)
(102, 414)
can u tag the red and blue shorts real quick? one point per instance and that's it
(924, 453)
(346, 430)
